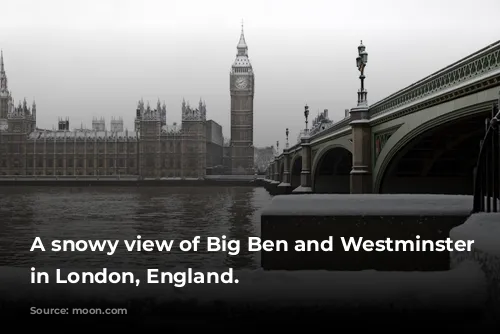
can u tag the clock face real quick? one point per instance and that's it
(241, 83)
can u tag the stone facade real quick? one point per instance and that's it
(153, 150)
(215, 142)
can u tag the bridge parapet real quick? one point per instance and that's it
(470, 68)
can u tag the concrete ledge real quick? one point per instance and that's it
(302, 190)
(131, 181)
(284, 189)
(372, 217)
(484, 229)
(272, 187)
(368, 204)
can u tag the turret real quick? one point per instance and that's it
(63, 124)
(116, 124)
(33, 110)
(98, 124)
(164, 114)
(3, 76)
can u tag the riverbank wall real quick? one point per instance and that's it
(209, 180)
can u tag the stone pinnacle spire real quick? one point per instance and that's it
(3, 76)
(242, 43)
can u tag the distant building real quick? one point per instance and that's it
(262, 158)
(226, 156)
(215, 150)
(153, 150)
(321, 122)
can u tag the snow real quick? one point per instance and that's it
(231, 177)
(484, 229)
(464, 286)
(368, 204)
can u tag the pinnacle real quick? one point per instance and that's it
(242, 43)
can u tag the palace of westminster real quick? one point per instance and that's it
(154, 149)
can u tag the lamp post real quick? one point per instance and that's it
(361, 173)
(306, 114)
(361, 62)
(286, 132)
(277, 148)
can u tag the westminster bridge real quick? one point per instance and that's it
(422, 139)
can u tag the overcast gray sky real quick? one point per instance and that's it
(98, 58)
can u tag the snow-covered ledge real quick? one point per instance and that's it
(484, 229)
(371, 216)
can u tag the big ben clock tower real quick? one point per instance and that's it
(242, 89)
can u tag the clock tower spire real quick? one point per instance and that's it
(241, 81)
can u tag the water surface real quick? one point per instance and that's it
(123, 213)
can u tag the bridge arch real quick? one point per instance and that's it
(331, 170)
(436, 157)
(295, 170)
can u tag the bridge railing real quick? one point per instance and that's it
(486, 173)
(480, 63)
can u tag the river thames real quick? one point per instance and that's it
(100, 213)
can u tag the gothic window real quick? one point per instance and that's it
(80, 164)
(131, 163)
(69, 162)
(90, 162)
(39, 162)
(59, 163)
(101, 163)
(111, 163)
(50, 163)
(121, 163)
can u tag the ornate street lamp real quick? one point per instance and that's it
(361, 62)
(306, 114)
(286, 132)
(277, 148)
